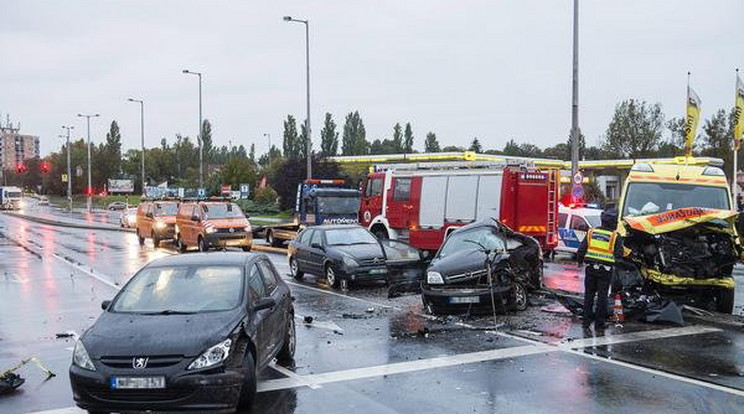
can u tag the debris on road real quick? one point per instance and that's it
(308, 319)
(10, 381)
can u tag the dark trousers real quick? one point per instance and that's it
(596, 283)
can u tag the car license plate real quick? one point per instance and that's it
(377, 271)
(131, 383)
(465, 299)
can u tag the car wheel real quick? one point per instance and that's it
(155, 240)
(331, 277)
(140, 239)
(725, 301)
(246, 248)
(248, 390)
(294, 268)
(202, 244)
(273, 242)
(286, 354)
(520, 297)
(181, 245)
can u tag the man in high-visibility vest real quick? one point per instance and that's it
(599, 249)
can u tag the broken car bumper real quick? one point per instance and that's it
(461, 300)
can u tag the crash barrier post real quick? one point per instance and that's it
(617, 312)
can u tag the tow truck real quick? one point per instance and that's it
(679, 230)
(318, 202)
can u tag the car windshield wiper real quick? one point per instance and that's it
(168, 312)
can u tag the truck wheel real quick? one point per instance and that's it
(725, 301)
(181, 245)
(272, 240)
(155, 241)
(202, 244)
(380, 232)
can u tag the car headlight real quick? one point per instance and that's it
(210, 230)
(247, 228)
(132, 218)
(434, 278)
(80, 357)
(349, 262)
(159, 224)
(212, 356)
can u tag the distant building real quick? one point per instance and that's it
(15, 148)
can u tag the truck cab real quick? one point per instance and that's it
(679, 228)
(11, 198)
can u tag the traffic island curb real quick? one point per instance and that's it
(268, 249)
(69, 224)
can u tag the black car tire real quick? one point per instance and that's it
(294, 268)
(248, 390)
(155, 240)
(140, 239)
(286, 354)
(246, 248)
(520, 297)
(331, 277)
(181, 245)
(725, 301)
(272, 240)
(202, 244)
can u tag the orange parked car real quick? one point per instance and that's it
(156, 220)
(206, 224)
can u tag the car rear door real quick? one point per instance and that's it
(261, 319)
(276, 320)
(315, 253)
(302, 244)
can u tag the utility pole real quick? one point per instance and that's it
(69, 168)
(89, 190)
(201, 122)
(142, 137)
(575, 134)
(269, 137)
(307, 80)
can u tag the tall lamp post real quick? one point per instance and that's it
(307, 80)
(142, 137)
(269, 137)
(89, 191)
(199, 137)
(575, 97)
(69, 168)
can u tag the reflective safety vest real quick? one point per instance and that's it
(600, 246)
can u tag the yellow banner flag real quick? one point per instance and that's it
(739, 112)
(691, 123)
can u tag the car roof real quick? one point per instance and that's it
(336, 227)
(210, 258)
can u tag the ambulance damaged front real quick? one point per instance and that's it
(687, 253)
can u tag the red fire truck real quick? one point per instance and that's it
(422, 203)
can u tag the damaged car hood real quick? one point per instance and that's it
(679, 219)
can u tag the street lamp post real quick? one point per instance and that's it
(69, 168)
(269, 137)
(307, 80)
(575, 133)
(142, 137)
(89, 191)
(199, 137)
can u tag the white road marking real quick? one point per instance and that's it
(301, 380)
(408, 366)
(637, 336)
(329, 292)
(86, 271)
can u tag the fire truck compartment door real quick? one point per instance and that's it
(462, 193)
(489, 197)
(431, 207)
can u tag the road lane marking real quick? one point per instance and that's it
(637, 336)
(301, 380)
(329, 292)
(406, 367)
(87, 272)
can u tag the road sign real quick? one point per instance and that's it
(245, 190)
(201, 193)
(578, 178)
(64, 178)
(577, 192)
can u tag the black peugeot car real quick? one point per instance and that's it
(185, 333)
(482, 267)
(350, 253)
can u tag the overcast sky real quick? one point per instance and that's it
(489, 69)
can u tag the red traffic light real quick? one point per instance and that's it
(21, 167)
(45, 167)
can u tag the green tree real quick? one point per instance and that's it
(238, 170)
(635, 129)
(512, 148)
(206, 140)
(431, 144)
(408, 139)
(108, 160)
(354, 139)
(290, 143)
(252, 153)
(328, 137)
(302, 143)
(397, 139)
(475, 146)
(717, 137)
(453, 148)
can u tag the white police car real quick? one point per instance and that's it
(573, 223)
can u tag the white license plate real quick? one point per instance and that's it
(132, 383)
(465, 299)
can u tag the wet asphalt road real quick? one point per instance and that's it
(368, 354)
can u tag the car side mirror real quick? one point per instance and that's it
(265, 303)
(149, 215)
(105, 304)
(317, 246)
(194, 218)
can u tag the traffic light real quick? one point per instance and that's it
(21, 168)
(45, 168)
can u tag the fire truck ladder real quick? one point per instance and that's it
(552, 205)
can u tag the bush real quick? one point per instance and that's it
(266, 195)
